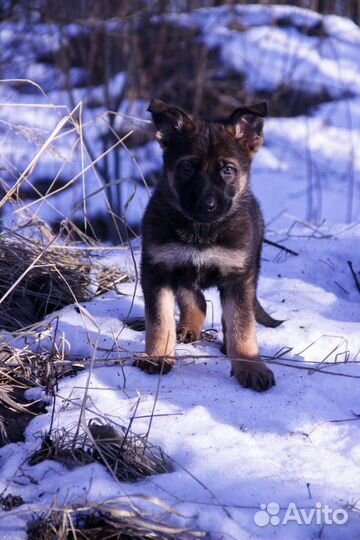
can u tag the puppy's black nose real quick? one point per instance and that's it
(210, 203)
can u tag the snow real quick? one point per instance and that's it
(312, 165)
(267, 44)
(270, 55)
(232, 449)
(245, 448)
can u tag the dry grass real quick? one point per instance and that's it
(130, 456)
(109, 520)
(60, 447)
(127, 456)
(17, 374)
(27, 369)
(40, 274)
(21, 369)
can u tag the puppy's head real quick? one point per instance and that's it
(207, 162)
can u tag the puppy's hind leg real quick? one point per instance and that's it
(223, 346)
(192, 306)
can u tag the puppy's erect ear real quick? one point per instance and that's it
(169, 120)
(246, 125)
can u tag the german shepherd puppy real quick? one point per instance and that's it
(203, 228)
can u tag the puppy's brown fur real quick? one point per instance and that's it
(203, 227)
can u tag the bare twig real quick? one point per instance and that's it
(357, 283)
(279, 246)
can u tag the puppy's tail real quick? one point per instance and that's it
(264, 318)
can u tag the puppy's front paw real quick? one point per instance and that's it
(187, 335)
(154, 364)
(253, 374)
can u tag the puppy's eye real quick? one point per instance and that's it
(228, 170)
(187, 168)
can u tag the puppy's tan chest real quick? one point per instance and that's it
(177, 254)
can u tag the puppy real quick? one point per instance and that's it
(203, 228)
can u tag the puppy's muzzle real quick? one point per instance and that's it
(208, 205)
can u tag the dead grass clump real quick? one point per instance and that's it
(39, 274)
(60, 447)
(127, 456)
(18, 370)
(108, 278)
(110, 520)
(36, 278)
(21, 369)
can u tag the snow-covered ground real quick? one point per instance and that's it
(310, 161)
(232, 449)
(235, 451)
